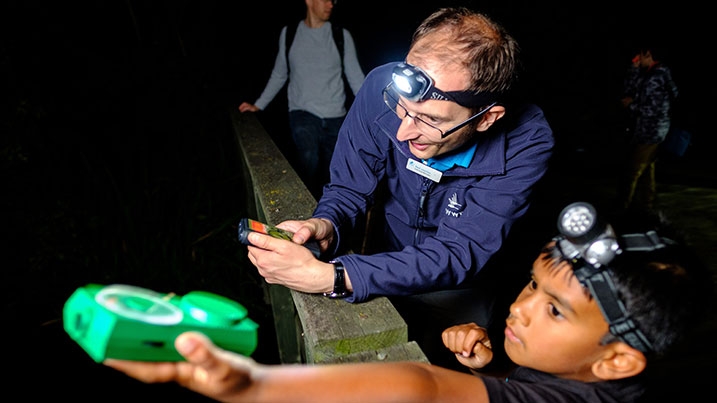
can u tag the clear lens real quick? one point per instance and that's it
(577, 220)
(390, 97)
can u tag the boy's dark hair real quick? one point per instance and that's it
(667, 291)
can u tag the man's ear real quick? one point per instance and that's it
(619, 361)
(490, 117)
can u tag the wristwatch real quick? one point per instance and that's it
(340, 290)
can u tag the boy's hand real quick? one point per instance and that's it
(208, 370)
(470, 343)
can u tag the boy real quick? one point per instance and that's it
(597, 307)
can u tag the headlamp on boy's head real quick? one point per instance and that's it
(585, 237)
(590, 245)
(412, 83)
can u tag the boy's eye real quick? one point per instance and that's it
(533, 284)
(554, 311)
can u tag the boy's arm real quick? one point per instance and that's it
(230, 377)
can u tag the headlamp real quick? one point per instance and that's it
(591, 245)
(412, 83)
(585, 236)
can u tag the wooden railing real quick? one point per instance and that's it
(309, 327)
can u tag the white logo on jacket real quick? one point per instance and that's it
(454, 208)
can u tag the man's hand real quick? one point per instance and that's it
(287, 263)
(247, 107)
(470, 343)
(636, 60)
(319, 229)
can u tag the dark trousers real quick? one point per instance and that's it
(315, 139)
(637, 187)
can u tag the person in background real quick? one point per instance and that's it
(435, 141)
(584, 329)
(314, 68)
(649, 92)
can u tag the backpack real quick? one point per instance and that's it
(338, 35)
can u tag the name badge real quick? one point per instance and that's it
(424, 170)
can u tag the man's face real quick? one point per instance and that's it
(321, 8)
(554, 326)
(444, 115)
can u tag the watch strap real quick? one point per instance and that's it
(339, 290)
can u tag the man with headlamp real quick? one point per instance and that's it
(424, 134)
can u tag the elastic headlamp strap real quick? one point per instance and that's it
(470, 99)
(646, 242)
(620, 324)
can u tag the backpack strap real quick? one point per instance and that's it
(290, 34)
(338, 34)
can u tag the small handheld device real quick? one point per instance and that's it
(247, 225)
(132, 323)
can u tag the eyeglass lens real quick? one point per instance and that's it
(424, 127)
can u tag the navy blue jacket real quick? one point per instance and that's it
(438, 235)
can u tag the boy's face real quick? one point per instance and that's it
(554, 325)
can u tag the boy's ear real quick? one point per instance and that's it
(490, 117)
(619, 361)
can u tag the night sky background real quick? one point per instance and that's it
(118, 162)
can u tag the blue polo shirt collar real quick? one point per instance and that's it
(462, 159)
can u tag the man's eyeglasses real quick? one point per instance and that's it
(390, 97)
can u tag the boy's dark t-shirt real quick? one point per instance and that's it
(529, 385)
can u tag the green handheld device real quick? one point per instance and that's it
(133, 323)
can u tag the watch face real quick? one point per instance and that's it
(139, 304)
